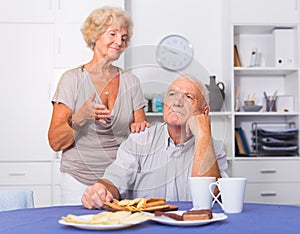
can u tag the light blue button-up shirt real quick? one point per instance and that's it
(149, 164)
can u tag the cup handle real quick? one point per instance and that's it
(213, 195)
(216, 199)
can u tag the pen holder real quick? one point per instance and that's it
(271, 104)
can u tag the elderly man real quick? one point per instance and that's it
(159, 161)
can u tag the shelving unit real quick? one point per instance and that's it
(266, 76)
(270, 177)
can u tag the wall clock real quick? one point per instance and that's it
(174, 52)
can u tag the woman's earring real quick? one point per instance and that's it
(93, 44)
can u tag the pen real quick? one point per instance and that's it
(275, 94)
(273, 100)
(266, 96)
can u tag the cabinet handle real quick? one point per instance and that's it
(17, 173)
(267, 171)
(58, 45)
(271, 194)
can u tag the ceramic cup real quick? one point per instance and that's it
(201, 197)
(232, 191)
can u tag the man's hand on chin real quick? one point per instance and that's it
(199, 126)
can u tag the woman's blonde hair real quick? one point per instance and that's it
(99, 21)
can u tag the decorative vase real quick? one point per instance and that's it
(216, 94)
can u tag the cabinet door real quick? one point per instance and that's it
(264, 11)
(56, 195)
(27, 11)
(26, 70)
(267, 171)
(76, 11)
(56, 192)
(35, 176)
(41, 193)
(70, 47)
(273, 193)
(20, 173)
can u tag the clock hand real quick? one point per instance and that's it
(172, 51)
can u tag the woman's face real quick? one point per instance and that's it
(111, 43)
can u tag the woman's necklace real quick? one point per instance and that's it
(107, 93)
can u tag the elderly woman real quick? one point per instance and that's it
(95, 105)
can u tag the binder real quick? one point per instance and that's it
(237, 61)
(238, 140)
(244, 140)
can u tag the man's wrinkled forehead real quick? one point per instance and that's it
(183, 84)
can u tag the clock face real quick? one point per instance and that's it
(174, 52)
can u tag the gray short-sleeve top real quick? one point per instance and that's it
(96, 145)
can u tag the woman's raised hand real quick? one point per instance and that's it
(93, 111)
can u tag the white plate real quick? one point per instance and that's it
(166, 220)
(96, 226)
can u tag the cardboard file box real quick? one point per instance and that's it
(285, 47)
(285, 103)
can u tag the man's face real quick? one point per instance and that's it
(182, 101)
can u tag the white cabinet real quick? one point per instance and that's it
(41, 193)
(26, 71)
(28, 11)
(76, 11)
(25, 173)
(70, 47)
(27, 55)
(35, 176)
(56, 192)
(264, 11)
(270, 180)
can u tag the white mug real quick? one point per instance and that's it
(201, 197)
(232, 191)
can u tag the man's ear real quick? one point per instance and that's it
(206, 110)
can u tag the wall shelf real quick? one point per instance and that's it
(263, 71)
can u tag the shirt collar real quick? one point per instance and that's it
(169, 142)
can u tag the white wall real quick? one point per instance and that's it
(201, 21)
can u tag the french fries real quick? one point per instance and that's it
(139, 204)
